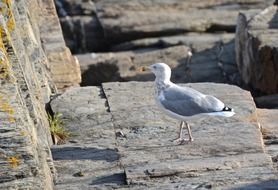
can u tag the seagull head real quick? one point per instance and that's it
(161, 71)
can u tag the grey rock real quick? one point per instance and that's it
(131, 20)
(64, 68)
(216, 64)
(227, 152)
(256, 50)
(268, 123)
(196, 41)
(86, 115)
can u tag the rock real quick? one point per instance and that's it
(103, 67)
(128, 20)
(227, 152)
(268, 122)
(270, 101)
(83, 33)
(196, 41)
(64, 67)
(85, 113)
(26, 86)
(216, 64)
(75, 7)
(256, 53)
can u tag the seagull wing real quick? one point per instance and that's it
(188, 102)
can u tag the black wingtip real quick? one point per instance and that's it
(227, 109)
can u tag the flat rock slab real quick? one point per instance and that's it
(89, 158)
(268, 120)
(133, 19)
(227, 152)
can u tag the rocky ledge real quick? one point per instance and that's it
(122, 141)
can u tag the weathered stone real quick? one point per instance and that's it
(104, 67)
(75, 7)
(91, 149)
(136, 19)
(149, 156)
(268, 121)
(196, 41)
(26, 86)
(270, 101)
(83, 34)
(216, 64)
(256, 50)
(64, 67)
(227, 152)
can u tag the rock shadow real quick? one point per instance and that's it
(84, 153)
(270, 184)
(117, 178)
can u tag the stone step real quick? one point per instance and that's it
(131, 142)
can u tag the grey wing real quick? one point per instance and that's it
(188, 102)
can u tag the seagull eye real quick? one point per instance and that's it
(154, 67)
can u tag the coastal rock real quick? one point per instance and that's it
(256, 50)
(215, 64)
(129, 20)
(227, 152)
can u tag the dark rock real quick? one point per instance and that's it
(270, 101)
(256, 50)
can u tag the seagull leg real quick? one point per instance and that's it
(189, 132)
(181, 140)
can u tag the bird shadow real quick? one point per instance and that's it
(84, 153)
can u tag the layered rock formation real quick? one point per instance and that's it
(33, 57)
(122, 141)
(256, 50)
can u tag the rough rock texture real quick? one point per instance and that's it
(270, 101)
(64, 67)
(25, 88)
(130, 20)
(214, 64)
(123, 141)
(101, 24)
(268, 121)
(256, 50)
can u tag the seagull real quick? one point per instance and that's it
(182, 103)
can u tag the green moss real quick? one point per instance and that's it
(57, 127)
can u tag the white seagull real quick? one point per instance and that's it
(182, 103)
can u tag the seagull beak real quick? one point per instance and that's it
(146, 68)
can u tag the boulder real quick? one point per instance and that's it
(256, 50)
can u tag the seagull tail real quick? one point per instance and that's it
(228, 109)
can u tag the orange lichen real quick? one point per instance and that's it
(13, 161)
(5, 107)
(23, 133)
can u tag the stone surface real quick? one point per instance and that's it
(196, 41)
(268, 121)
(104, 67)
(215, 64)
(256, 50)
(64, 68)
(227, 152)
(270, 101)
(25, 88)
(92, 147)
(128, 20)
(103, 24)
